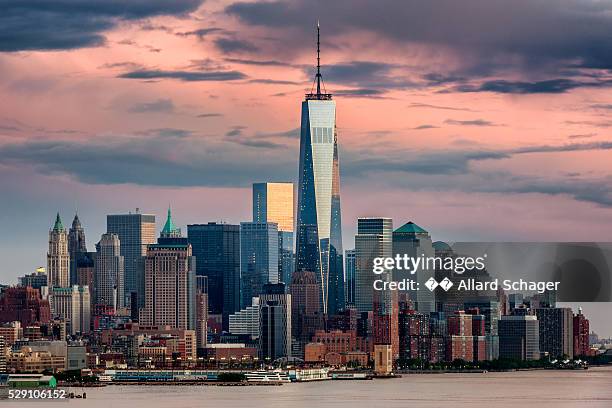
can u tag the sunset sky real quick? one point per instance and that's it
(478, 120)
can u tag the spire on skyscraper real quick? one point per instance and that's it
(58, 226)
(318, 76)
(169, 230)
(76, 223)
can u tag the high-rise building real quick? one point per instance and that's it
(319, 233)
(246, 321)
(373, 240)
(414, 241)
(306, 317)
(36, 279)
(135, 232)
(258, 258)
(556, 331)
(275, 322)
(201, 311)
(25, 305)
(73, 304)
(216, 248)
(76, 246)
(2, 355)
(519, 337)
(581, 334)
(58, 257)
(109, 272)
(170, 287)
(273, 202)
(349, 256)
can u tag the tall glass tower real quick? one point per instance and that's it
(319, 234)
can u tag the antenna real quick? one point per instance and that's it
(318, 60)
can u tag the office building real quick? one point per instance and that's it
(216, 248)
(58, 257)
(556, 331)
(319, 233)
(349, 256)
(275, 322)
(135, 232)
(273, 202)
(201, 310)
(73, 304)
(170, 287)
(373, 240)
(519, 337)
(246, 321)
(36, 279)
(109, 272)
(76, 246)
(581, 335)
(306, 317)
(414, 241)
(258, 258)
(25, 305)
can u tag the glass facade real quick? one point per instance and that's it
(319, 235)
(136, 232)
(216, 248)
(258, 258)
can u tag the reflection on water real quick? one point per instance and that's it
(528, 388)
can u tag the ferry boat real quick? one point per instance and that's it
(309, 374)
(268, 376)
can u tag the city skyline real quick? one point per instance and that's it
(139, 119)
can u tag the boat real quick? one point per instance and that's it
(268, 376)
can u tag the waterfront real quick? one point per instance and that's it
(542, 388)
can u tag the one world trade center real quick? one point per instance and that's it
(319, 234)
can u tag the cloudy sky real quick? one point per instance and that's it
(479, 120)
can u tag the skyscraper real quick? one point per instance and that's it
(519, 337)
(135, 232)
(319, 234)
(58, 257)
(373, 240)
(76, 246)
(556, 331)
(216, 248)
(414, 241)
(258, 258)
(170, 287)
(109, 272)
(273, 202)
(275, 322)
(349, 256)
(73, 304)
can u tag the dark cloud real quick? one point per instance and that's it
(375, 76)
(423, 127)
(232, 45)
(260, 144)
(167, 132)
(188, 76)
(542, 34)
(273, 81)
(264, 63)
(559, 85)
(209, 115)
(360, 93)
(582, 136)
(473, 122)
(201, 32)
(158, 106)
(68, 24)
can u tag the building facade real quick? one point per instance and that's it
(319, 232)
(58, 257)
(135, 231)
(273, 202)
(519, 337)
(275, 322)
(109, 272)
(216, 248)
(73, 304)
(258, 258)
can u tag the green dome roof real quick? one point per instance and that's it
(58, 226)
(411, 228)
